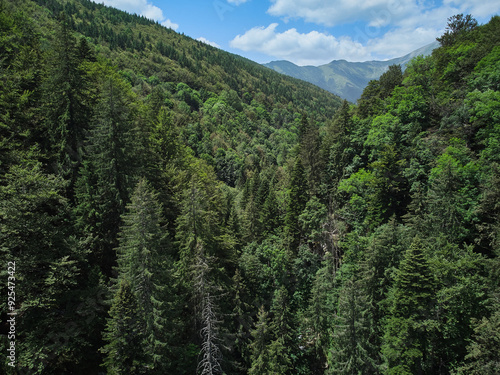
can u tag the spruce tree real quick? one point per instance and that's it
(296, 204)
(124, 334)
(336, 149)
(109, 171)
(68, 103)
(321, 310)
(353, 352)
(259, 355)
(409, 329)
(310, 152)
(280, 348)
(143, 261)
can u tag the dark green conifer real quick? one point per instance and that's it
(125, 351)
(296, 204)
(409, 331)
(259, 355)
(142, 259)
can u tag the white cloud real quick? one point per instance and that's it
(141, 7)
(331, 13)
(206, 41)
(170, 25)
(376, 12)
(313, 48)
(422, 27)
(144, 8)
(391, 28)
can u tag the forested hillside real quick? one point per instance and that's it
(169, 208)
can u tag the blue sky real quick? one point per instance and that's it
(311, 32)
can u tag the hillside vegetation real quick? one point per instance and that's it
(174, 209)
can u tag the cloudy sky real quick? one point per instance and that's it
(311, 32)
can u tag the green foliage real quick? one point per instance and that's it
(109, 169)
(483, 351)
(352, 352)
(124, 334)
(368, 235)
(297, 203)
(457, 26)
(142, 260)
(410, 325)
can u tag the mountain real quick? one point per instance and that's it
(343, 78)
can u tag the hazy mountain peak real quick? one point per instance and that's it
(344, 78)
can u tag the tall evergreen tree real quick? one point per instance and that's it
(409, 331)
(280, 349)
(310, 152)
(109, 171)
(353, 351)
(296, 204)
(259, 356)
(37, 237)
(142, 259)
(336, 148)
(124, 335)
(69, 103)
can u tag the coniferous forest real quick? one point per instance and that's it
(169, 208)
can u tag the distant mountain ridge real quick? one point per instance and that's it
(343, 78)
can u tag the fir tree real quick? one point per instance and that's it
(142, 260)
(125, 334)
(353, 352)
(259, 355)
(109, 172)
(280, 349)
(69, 103)
(297, 202)
(408, 338)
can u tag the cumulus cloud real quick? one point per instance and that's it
(206, 41)
(141, 7)
(375, 12)
(389, 28)
(169, 24)
(313, 48)
(331, 13)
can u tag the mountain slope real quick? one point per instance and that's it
(144, 48)
(343, 78)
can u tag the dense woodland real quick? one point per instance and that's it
(175, 209)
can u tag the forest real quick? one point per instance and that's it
(170, 208)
